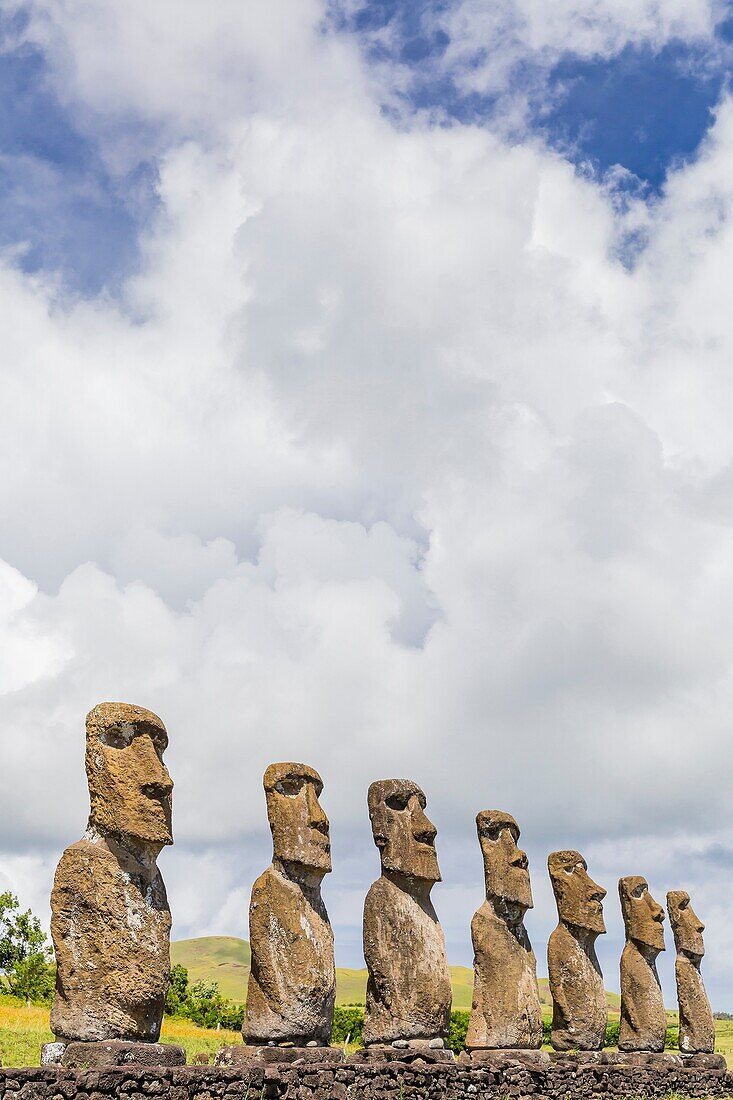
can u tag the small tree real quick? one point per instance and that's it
(25, 957)
(176, 999)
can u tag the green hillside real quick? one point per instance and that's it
(225, 960)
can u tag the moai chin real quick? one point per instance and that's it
(643, 1019)
(408, 996)
(506, 1010)
(697, 1026)
(579, 1010)
(110, 921)
(292, 981)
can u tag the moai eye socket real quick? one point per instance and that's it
(290, 786)
(115, 738)
(398, 801)
(639, 891)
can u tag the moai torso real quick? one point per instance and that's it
(505, 1012)
(292, 982)
(643, 1019)
(409, 988)
(111, 934)
(579, 1010)
(697, 1025)
(110, 920)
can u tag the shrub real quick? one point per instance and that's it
(612, 1031)
(25, 957)
(202, 1003)
(348, 1024)
(458, 1029)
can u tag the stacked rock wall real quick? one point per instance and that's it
(563, 1079)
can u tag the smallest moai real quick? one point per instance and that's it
(579, 1010)
(697, 1026)
(506, 1012)
(643, 1019)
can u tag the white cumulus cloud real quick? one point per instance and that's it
(382, 460)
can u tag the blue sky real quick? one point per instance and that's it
(644, 109)
(336, 425)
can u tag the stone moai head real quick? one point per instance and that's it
(579, 899)
(402, 832)
(129, 786)
(687, 928)
(643, 916)
(506, 868)
(299, 826)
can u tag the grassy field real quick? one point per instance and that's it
(225, 960)
(24, 1030)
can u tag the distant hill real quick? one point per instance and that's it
(225, 960)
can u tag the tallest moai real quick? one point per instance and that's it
(110, 920)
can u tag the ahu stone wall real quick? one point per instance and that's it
(565, 1078)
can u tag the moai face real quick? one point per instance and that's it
(579, 899)
(402, 832)
(300, 831)
(506, 869)
(643, 916)
(129, 785)
(687, 927)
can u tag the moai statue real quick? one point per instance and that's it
(579, 1010)
(506, 1010)
(110, 921)
(697, 1026)
(643, 1020)
(292, 982)
(408, 998)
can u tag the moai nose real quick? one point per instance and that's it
(316, 814)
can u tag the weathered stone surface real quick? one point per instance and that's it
(52, 1053)
(697, 1026)
(643, 1020)
(499, 1059)
(117, 1052)
(579, 1010)
(371, 1081)
(705, 1061)
(292, 982)
(406, 1051)
(408, 989)
(506, 1004)
(110, 920)
(246, 1055)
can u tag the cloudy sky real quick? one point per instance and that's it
(366, 399)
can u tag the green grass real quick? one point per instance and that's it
(24, 1030)
(225, 959)
(220, 959)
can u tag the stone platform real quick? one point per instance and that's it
(432, 1051)
(242, 1054)
(560, 1078)
(112, 1052)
